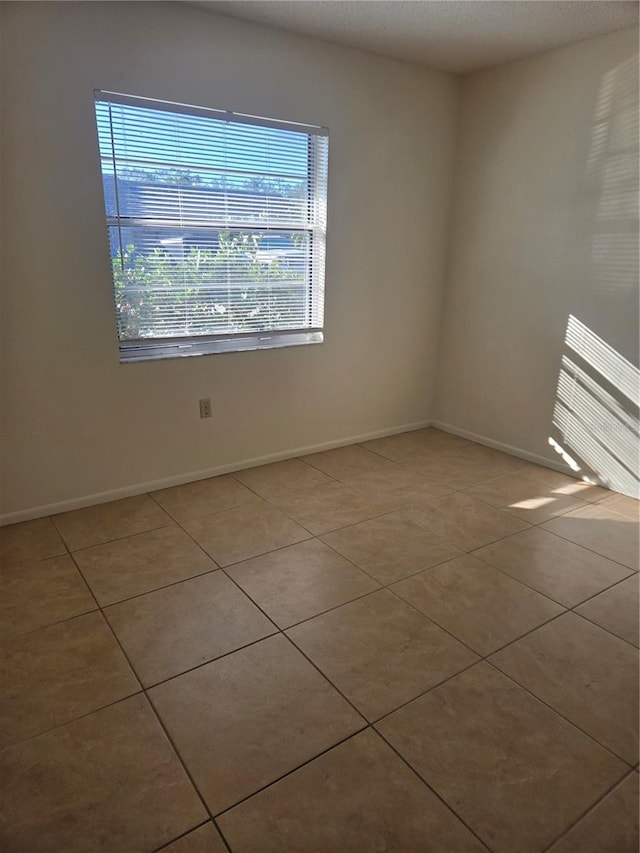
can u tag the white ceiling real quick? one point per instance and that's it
(452, 35)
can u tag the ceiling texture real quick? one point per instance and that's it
(451, 35)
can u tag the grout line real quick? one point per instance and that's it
(246, 504)
(17, 634)
(170, 523)
(181, 836)
(437, 624)
(117, 701)
(97, 609)
(215, 659)
(591, 737)
(282, 630)
(605, 589)
(155, 684)
(329, 609)
(462, 642)
(454, 490)
(279, 630)
(433, 790)
(423, 693)
(351, 476)
(150, 704)
(396, 580)
(391, 510)
(486, 659)
(535, 589)
(291, 459)
(617, 636)
(368, 727)
(568, 609)
(245, 501)
(382, 585)
(408, 465)
(586, 548)
(222, 835)
(587, 811)
(81, 573)
(377, 452)
(119, 601)
(164, 729)
(185, 769)
(272, 502)
(326, 677)
(367, 724)
(627, 771)
(467, 489)
(255, 793)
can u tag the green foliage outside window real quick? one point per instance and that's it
(231, 288)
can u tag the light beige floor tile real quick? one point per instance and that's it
(55, 674)
(397, 487)
(31, 540)
(565, 484)
(552, 565)
(278, 478)
(174, 629)
(300, 581)
(109, 781)
(127, 567)
(390, 548)
(611, 827)
(454, 469)
(205, 839)
(616, 609)
(513, 769)
(345, 462)
(203, 497)
(469, 466)
(502, 463)
(329, 507)
(440, 441)
(247, 531)
(40, 592)
(94, 525)
(525, 496)
(380, 652)
(476, 603)
(241, 722)
(586, 674)
(357, 797)
(463, 521)
(608, 533)
(404, 448)
(630, 507)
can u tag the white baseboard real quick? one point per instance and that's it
(180, 479)
(507, 448)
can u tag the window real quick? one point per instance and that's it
(216, 226)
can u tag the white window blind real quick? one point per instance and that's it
(217, 227)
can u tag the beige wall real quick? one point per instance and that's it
(76, 423)
(544, 228)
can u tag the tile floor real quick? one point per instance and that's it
(413, 645)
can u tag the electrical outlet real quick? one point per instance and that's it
(205, 407)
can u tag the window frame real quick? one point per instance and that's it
(163, 347)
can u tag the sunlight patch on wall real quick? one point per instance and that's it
(597, 410)
(613, 175)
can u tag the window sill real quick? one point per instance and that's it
(155, 351)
